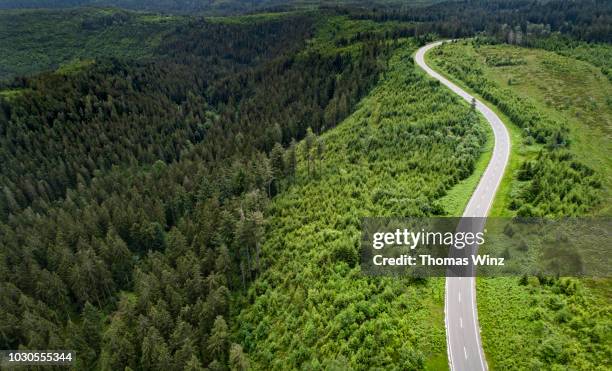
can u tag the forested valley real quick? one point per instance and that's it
(133, 193)
(189, 196)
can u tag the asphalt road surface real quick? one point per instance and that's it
(464, 347)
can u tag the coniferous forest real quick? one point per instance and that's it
(182, 191)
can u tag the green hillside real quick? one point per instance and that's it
(544, 322)
(39, 40)
(312, 308)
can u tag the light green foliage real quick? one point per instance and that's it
(407, 143)
(567, 90)
(248, 19)
(339, 33)
(37, 40)
(545, 323)
(553, 181)
(9, 94)
(456, 198)
(74, 66)
(597, 54)
(452, 59)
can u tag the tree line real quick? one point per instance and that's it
(505, 19)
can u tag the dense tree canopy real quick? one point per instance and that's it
(133, 193)
(588, 20)
(196, 204)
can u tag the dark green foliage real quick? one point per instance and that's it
(137, 223)
(510, 21)
(36, 40)
(133, 193)
(116, 113)
(177, 6)
(217, 7)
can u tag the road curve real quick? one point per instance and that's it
(464, 347)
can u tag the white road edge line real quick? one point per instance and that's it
(476, 326)
(449, 348)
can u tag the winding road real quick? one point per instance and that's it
(463, 342)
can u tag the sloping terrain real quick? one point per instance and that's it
(544, 322)
(407, 144)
